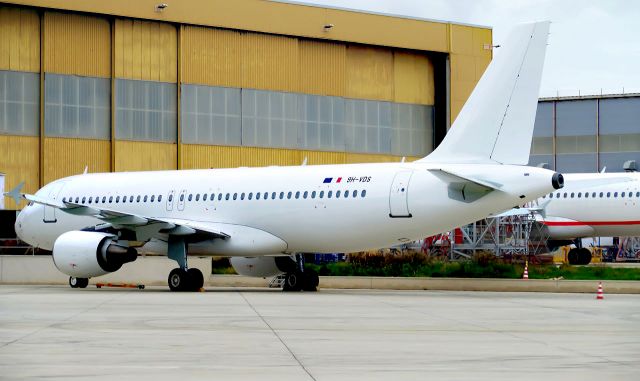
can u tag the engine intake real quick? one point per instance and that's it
(88, 254)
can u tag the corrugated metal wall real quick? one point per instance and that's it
(413, 78)
(211, 56)
(144, 156)
(270, 62)
(202, 156)
(470, 55)
(19, 161)
(323, 67)
(65, 157)
(19, 39)
(146, 50)
(77, 44)
(369, 73)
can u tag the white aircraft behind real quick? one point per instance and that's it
(264, 217)
(591, 205)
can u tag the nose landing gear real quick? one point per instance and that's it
(78, 282)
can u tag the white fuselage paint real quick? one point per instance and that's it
(312, 224)
(611, 208)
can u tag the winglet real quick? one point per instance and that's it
(16, 193)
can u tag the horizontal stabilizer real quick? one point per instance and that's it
(15, 193)
(464, 188)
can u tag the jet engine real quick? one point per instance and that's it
(88, 254)
(262, 267)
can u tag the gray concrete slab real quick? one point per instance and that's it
(55, 332)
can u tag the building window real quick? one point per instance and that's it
(19, 103)
(211, 115)
(146, 111)
(77, 106)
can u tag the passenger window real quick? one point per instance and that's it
(145, 198)
(227, 196)
(124, 199)
(258, 196)
(637, 194)
(181, 198)
(363, 193)
(571, 194)
(346, 194)
(313, 194)
(117, 199)
(153, 198)
(78, 200)
(557, 195)
(170, 197)
(579, 194)
(188, 198)
(110, 199)
(281, 195)
(622, 194)
(608, 194)
(104, 199)
(601, 194)
(329, 194)
(615, 194)
(204, 197)
(289, 194)
(84, 199)
(242, 196)
(586, 194)
(90, 200)
(305, 194)
(250, 195)
(130, 198)
(273, 195)
(337, 194)
(219, 196)
(297, 195)
(197, 197)
(321, 194)
(354, 194)
(565, 195)
(235, 196)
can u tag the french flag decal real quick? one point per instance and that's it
(329, 180)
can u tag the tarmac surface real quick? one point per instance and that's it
(54, 332)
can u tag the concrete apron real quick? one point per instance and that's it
(153, 271)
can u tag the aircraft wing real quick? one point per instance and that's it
(145, 226)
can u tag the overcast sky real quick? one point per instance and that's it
(593, 44)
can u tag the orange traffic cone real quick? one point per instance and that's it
(600, 295)
(526, 270)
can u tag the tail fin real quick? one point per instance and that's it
(496, 122)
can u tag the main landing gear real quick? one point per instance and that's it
(299, 278)
(182, 278)
(78, 282)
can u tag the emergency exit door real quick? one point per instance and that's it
(398, 196)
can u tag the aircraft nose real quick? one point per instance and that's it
(19, 222)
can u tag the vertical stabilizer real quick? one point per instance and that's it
(496, 122)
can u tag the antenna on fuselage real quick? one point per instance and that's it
(86, 169)
(304, 162)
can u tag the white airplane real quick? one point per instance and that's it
(590, 205)
(263, 217)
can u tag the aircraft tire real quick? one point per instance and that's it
(293, 281)
(584, 256)
(83, 282)
(179, 280)
(197, 279)
(572, 257)
(73, 282)
(310, 280)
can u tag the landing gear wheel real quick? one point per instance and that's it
(573, 257)
(179, 280)
(197, 280)
(310, 280)
(293, 281)
(584, 256)
(78, 282)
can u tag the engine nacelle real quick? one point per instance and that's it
(262, 267)
(88, 254)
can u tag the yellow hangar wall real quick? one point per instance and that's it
(57, 45)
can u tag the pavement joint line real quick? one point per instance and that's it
(60, 321)
(509, 333)
(277, 335)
